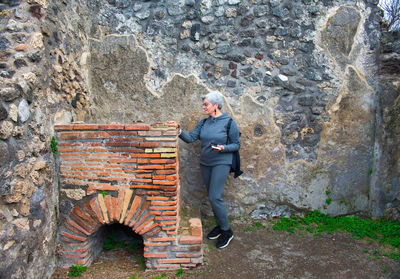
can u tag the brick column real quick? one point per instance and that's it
(127, 174)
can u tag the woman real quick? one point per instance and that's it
(215, 159)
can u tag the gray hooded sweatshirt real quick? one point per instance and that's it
(213, 132)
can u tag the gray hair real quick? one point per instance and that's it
(214, 97)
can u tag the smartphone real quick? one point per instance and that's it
(215, 147)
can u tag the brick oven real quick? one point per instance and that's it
(126, 174)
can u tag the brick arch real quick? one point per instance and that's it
(83, 221)
(136, 167)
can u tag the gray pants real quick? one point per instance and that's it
(214, 179)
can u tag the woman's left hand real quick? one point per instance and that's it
(220, 146)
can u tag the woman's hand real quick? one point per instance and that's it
(221, 147)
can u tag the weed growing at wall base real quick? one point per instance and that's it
(76, 270)
(386, 232)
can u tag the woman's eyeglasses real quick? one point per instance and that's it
(205, 104)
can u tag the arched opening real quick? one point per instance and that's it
(118, 246)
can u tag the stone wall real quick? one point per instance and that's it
(299, 77)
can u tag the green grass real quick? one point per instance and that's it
(54, 146)
(76, 270)
(179, 273)
(384, 231)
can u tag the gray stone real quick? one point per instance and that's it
(175, 10)
(4, 43)
(234, 2)
(261, 11)
(36, 197)
(190, 3)
(6, 129)
(307, 100)
(3, 112)
(223, 48)
(207, 19)
(281, 13)
(23, 111)
(143, 14)
(4, 153)
(9, 94)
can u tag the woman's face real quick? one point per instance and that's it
(208, 107)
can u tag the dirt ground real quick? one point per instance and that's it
(261, 252)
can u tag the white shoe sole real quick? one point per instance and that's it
(215, 237)
(227, 243)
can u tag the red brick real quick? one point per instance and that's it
(158, 177)
(81, 262)
(112, 127)
(85, 216)
(82, 222)
(130, 127)
(195, 248)
(145, 155)
(169, 188)
(131, 140)
(147, 175)
(138, 223)
(69, 144)
(135, 204)
(115, 160)
(150, 244)
(153, 232)
(169, 213)
(189, 255)
(165, 171)
(172, 261)
(162, 161)
(164, 182)
(145, 187)
(86, 126)
(149, 144)
(122, 144)
(189, 239)
(168, 223)
(88, 209)
(155, 255)
(163, 239)
(65, 127)
(145, 230)
(163, 207)
(76, 226)
(121, 195)
(153, 167)
(158, 198)
(128, 150)
(71, 236)
(122, 133)
(96, 209)
(144, 224)
(71, 229)
(114, 203)
(172, 177)
(171, 166)
(142, 180)
(144, 205)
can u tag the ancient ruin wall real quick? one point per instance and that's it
(299, 78)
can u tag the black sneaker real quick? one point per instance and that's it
(214, 233)
(224, 238)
